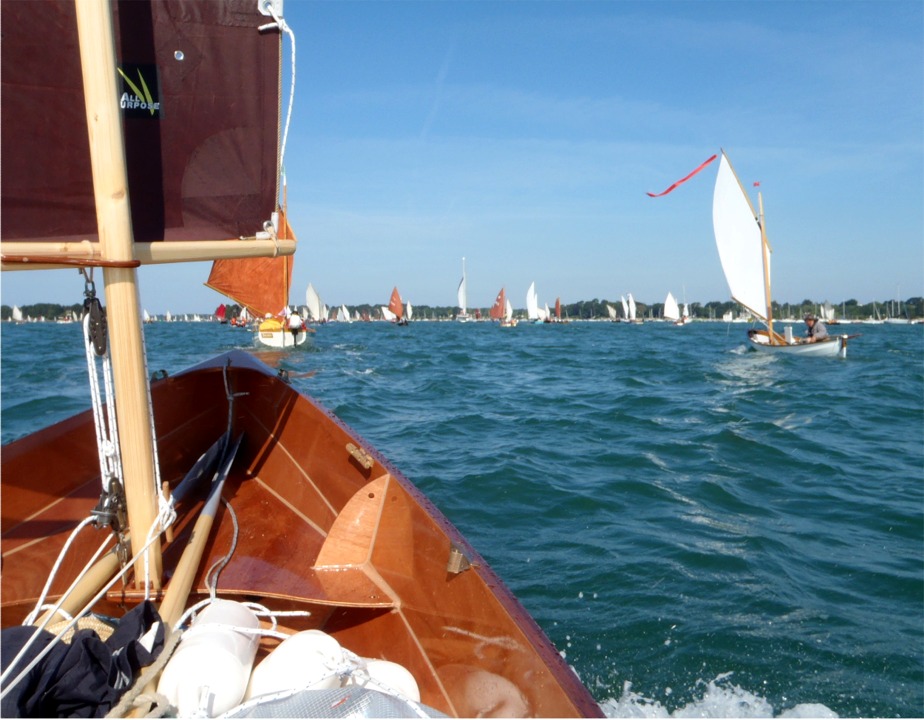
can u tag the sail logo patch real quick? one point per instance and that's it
(140, 96)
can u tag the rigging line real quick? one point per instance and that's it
(31, 617)
(220, 564)
(56, 608)
(110, 462)
(267, 8)
(5, 688)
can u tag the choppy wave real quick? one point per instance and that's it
(701, 530)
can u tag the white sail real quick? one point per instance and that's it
(461, 294)
(313, 303)
(388, 314)
(625, 307)
(671, 309)
(409, 311)
(611, 311)
(508, 311)
(17, 314)
(632, 308)
(343, 315)
(532, 302)
(738, 238)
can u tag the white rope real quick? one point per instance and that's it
(110, 461)
(30, 618)
(350, 671)
(6, 687)
(267, 8)
(257, 609)
(55, 608)
(211, 584)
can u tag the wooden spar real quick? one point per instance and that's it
(113, 216)
(765, 248)
(96, 577)
(50, 255)
(171, 609)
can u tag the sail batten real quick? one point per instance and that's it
(739, 242)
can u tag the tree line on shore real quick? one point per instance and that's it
(581, 310)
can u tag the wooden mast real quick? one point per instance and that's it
(113, 213)
(765, 248)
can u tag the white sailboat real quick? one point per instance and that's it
(462, 298)
(508, 320)
(17, 314)
(741, 239)
(533, 313)
(611, 311)
(632, 310)
(671, 309)
(314, 305)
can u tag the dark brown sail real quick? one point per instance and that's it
(199, 96)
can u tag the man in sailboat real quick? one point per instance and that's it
(815, 329)
(294, 323)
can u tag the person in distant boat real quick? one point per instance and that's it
(815, 329)
(295, 324)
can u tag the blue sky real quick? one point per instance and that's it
(525, 135)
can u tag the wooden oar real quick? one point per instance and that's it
(181, 583)
(100, 573)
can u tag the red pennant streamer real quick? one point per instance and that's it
(683, 180)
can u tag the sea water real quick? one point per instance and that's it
(700, 529)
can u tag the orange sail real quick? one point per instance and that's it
(395, 304)
(259, 284)
(499, 306)
(558, 308)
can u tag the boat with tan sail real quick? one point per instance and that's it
(261, 286)
(221, 544)
(502, 310)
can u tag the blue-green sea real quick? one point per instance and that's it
(701, 530)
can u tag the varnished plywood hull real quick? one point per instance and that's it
(325, 525)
